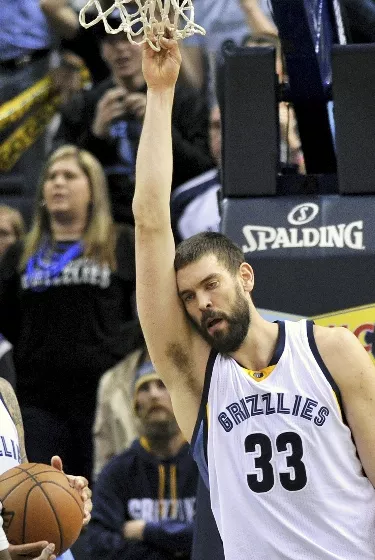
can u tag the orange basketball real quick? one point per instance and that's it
(40, 505)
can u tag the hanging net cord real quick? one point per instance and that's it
(150, 17)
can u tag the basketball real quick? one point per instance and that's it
(40, 505)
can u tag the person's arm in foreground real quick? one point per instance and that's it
(354, 372)
(178, 354)
(41, 549)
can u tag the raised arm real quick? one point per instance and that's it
(178, 354)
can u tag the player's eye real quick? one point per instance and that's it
(188, 298)
(212, 285)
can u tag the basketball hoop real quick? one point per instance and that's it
(143, 18)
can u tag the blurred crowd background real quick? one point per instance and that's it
(72, 102)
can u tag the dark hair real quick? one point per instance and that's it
(206, 243)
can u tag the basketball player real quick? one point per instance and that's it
(289, 446)
(12, 453)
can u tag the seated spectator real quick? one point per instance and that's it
(12, 229)
(115, 425)
(194, 205)
(66, 297)
(144, 499)
(108, 120)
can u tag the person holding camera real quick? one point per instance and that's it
(107, 121)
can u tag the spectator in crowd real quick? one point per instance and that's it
(25, 44)
(115, 425)
(63, 16)
(26, 48)
(12, 229)
(194, 205)
(108, 120)
(66, 298)
(144, 499)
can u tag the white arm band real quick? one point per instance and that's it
(3, 538)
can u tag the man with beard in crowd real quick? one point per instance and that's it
(144, 498)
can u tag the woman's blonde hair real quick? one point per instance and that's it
(99, 238)
(16, 218)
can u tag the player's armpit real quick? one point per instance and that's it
(353, 371)
(11, 402)
(176, 350)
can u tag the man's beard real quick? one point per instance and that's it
(160, 432)
(238, 322)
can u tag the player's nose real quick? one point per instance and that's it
(204, 302)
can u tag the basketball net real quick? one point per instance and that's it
(146, 18)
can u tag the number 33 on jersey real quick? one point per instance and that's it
(274, 452)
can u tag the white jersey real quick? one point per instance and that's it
(9, 444)
(284, 476)
(10, 457)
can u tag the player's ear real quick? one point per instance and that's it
(247, 277)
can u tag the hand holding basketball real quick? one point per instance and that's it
(161, 68)
(32, 551)
(40, 506)
(80, 483)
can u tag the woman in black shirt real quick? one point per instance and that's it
(66, 306)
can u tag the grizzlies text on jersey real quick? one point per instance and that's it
(285, 479)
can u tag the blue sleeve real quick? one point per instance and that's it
(172, 536)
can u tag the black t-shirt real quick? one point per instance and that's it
(66, 335)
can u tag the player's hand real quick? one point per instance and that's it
(133, 530)
(32, 551)
(160, 69)
(136, 105)
(111, 106)
(81, 484)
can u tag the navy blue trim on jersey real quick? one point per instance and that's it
(199, 455)
(279, 348)
(200, 435)
(206, 387)
(323, 367)
(280, 344)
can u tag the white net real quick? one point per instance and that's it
(140, 19)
